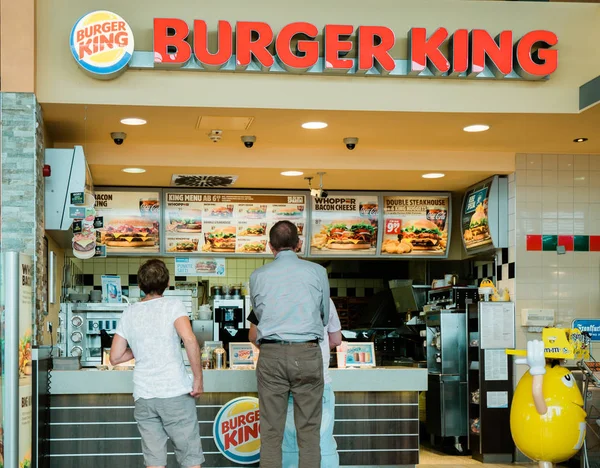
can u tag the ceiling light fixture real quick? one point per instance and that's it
(292, 173)
(433, 175)
(580, 140)
(314, 125)
(476, 128)
(134, 170)
(133, 121)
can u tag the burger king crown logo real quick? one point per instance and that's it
(237, 430)
(102, 44)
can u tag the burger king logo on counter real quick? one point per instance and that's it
(102, 44)
(237, 430)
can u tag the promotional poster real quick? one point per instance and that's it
(416, 225)
(130, 221)
(25, 358)
(345, 225)
(228, 223)
(475, 226)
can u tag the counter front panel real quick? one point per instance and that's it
(99, 431)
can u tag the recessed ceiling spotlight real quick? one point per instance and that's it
(134, 170)
(314, 125)
(133, 121)
(476, 128)
(433, 175)
(579, 140)
(292, 173)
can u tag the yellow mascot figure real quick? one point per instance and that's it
(547, 420)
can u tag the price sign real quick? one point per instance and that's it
(393, 226)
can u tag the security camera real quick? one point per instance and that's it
(351, 142)
(118, 137)
(249, 141)
(319, 193)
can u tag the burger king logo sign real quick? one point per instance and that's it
(237, 430)
(102, 44)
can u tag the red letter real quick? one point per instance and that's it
(535, 65)
(423, 52)
(224, 48)
(307, 51)
(496, 54)
(230, 439)
(251, 432)
(246, 47)
(371, 53)
(164, 43)
(459, 52)
(335, 47)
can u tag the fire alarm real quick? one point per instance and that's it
(47, 171)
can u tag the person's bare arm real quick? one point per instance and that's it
(192, 348)
(119, 352)
(335, 339)
(253, 334)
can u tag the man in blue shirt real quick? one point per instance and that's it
(290, 298)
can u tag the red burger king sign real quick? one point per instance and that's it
(236, 430)
(102, 44)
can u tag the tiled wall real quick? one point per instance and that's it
(238, 272)
(557, 203)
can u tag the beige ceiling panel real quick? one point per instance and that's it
(209, 122)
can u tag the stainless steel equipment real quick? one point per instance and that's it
(452, 296)
(447, 412)
(204, 330)
(83, 323)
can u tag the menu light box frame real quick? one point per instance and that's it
(140, 253)
(412, 255)
(232, 192)
(343, 254)
(497, 215)
(308, 220)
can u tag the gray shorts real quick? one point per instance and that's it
(174, 418)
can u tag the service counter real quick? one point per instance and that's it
(92, 425)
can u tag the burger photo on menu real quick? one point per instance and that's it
(253, 247)
(220, 239)
(256, 212)
(222, 211)
(132, 232)
(206, 266)
(185, 221)
(289, 212)
(420, 236)
(478, 231)
(253, 230)
(345, 235)
(183, 245)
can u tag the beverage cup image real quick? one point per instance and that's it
(341, 360)
(356, 357)
(361, 357)
(367, 357)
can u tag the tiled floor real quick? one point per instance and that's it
(431, 459)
